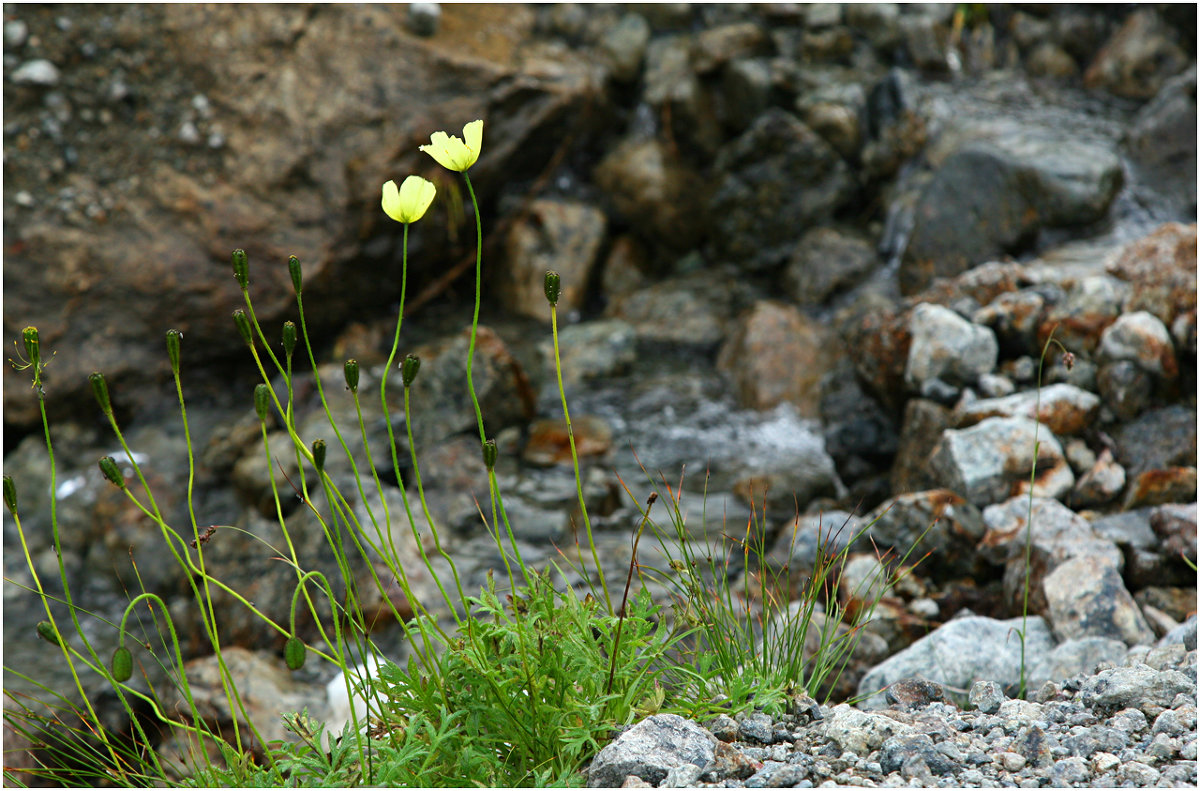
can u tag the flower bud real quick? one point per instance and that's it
(33, 351)
(241, 268)
(294, 652)
(489, 454)
(108, 466)
(294, 271)
(409, 368)
(173, 339)
(45, 630)
(122, 664)
(552, 287)
(10, 495)
(262, 401)
(289, 338)
(100, 390)
(243, 325)
(352, 375)
(318, 452)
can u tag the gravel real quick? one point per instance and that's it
(1132, 725)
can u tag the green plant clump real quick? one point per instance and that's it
(520, 684)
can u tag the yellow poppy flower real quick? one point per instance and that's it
(409, 202)
(452, 153)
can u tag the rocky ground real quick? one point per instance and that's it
(811, 254)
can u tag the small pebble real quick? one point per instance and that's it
(36, 72)
(16, 33)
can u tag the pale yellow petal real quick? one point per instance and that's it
(439, 149)
(473, 133)
(416, 194)
(391, 201)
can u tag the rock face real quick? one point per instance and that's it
(310, 187)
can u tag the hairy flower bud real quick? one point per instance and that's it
(489, 454)
(241, 268)
(100, 390)
(243, 325)
(122, 664)
(46, 631)
(289, 338)
(294, 653)
(409, 368)
(173, 339)
(262, 401)
(552, 287)
(108, 466)
(318, 452)
(10, 495)
(294, 271)
(352, 375)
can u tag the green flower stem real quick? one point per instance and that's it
(266, 344)
(62, 572)
(475, 315)
(67, 650)
(587, 522)
(187, 689)
(387, 369)
(437, 541)
(497, 501)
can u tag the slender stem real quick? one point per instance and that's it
(587, 522)
(498, 513)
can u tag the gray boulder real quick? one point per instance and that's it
(959, 653)
(991, 196)
(650, 750)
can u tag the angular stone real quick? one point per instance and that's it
(549, 441)
(777, 354)
(924, 422)
(825, 262)
(690, 310)
(1140, 687)
(1154, 487)
(651, 749)
(946, 346)
(592, 350)
(959, 653)
(1021, 179)
(1140, 338)
(564, 236)
(776, 181)
(938, 522)
(655, 191)
(1073, 657)
(1086, 597)
(1062, 408)
(1138, 58)
(1161, 269)
(860, 732)
(991, 461)
(1056, 535)
(1101, 483)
